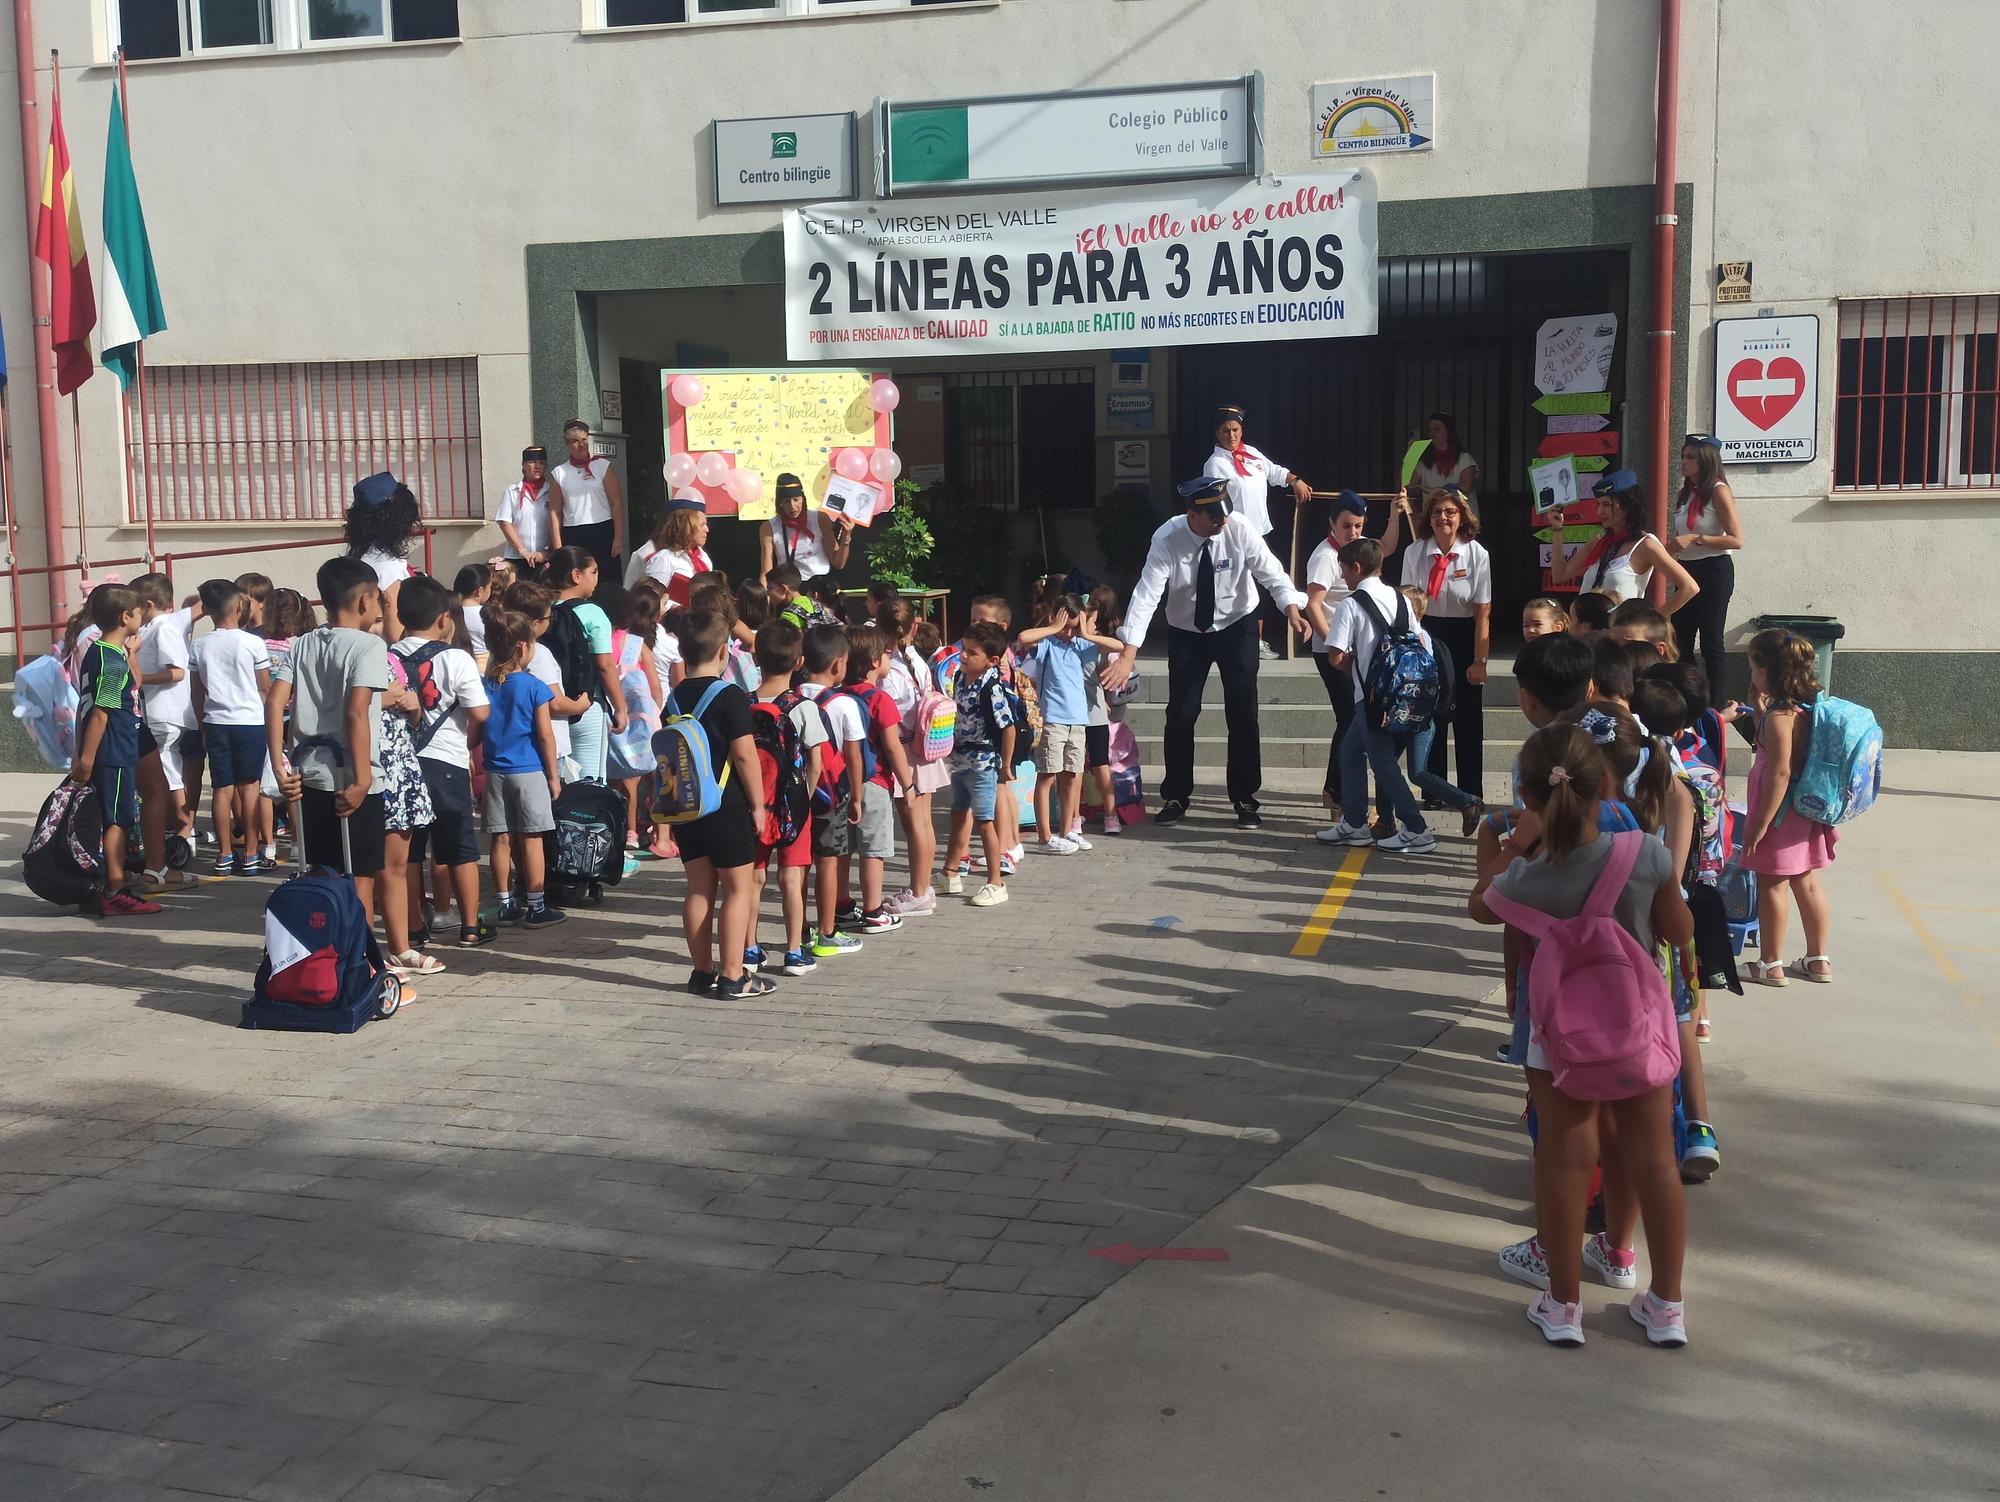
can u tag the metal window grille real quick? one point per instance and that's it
(285, 443)
(1054, 467)
(1919, 395)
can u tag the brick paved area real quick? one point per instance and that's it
(562, 1230)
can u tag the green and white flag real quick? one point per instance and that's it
(131, 298)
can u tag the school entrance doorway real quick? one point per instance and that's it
(1458, 336)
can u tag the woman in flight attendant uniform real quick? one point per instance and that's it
(1250, 477)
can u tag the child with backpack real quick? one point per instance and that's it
(929, 721)
(107, 743)
(719, 848)
(982, 751)
(1064, 658)
(837, 799)
(881, 752)
(1784, 847)
(168, 695)
(1373, 641)
(1027, 725)
(789, 733)
(451, 712)
(1603, 1050)
(521, 780)
(631, 761)
(579, 638)
(231, 668)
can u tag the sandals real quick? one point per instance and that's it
(745, 985)
(413, 962)
(1803, 969)
(1768, 972)
(472, 935)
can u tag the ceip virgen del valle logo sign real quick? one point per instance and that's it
(1381, 115)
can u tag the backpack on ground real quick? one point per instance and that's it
(45, 704)
(690, 783)
(571, 650)
(781, 762)
(1842, 775)
(64, 862)
(1598, 1000)
(589, 838)
(1400, 688)
(323, 971)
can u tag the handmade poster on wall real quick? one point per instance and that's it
(764, 423)
(1767, 389)
(1574, 354)
(1178, 263)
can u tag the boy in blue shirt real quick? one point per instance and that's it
(1063, 654)
(107, 741)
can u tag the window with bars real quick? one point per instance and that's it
(285, 443)
(1919, 396)
(1023, 439)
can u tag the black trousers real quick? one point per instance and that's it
(595, 539)
(1468, 712)
(1190, 654)
(1705, 616)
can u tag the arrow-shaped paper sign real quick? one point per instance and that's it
(1578, 443)
(1591, 464)
(1573, 401)
(1579, 422)
(1570, 535)
(1126, 1255)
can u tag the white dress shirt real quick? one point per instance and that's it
(1323, 569)
(1249, 495)
(1241, 561)
(528, 515)
(1468, 579)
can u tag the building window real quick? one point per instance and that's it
(285, 443)
(183, 28)
(1023, 439)
(616, 13)
(1919, 400)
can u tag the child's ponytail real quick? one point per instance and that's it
(1562, 777)
(1641, 771)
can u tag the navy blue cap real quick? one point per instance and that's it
(1207, 491)
(788, 486)
(682, 503)
(1349, 501)
(533, 452)
(1617, 481)
(376, 489)
(1228, 414)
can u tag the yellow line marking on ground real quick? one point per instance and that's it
(1320, 924)
(1939, 957)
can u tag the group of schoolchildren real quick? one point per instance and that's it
(1606, 871)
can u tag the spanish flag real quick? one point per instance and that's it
(59, 242)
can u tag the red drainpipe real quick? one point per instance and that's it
(54, 521)
(1667, 115)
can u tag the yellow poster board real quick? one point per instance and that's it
(775, 422)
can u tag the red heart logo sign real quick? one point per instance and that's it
(1774, 389)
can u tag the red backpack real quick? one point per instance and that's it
(781, 762)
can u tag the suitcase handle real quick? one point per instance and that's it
(323, 743)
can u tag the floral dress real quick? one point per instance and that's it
(406, 801)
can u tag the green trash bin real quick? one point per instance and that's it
(1821, 630)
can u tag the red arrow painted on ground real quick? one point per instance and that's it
(1127, 1255)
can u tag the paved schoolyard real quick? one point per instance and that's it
(562, 1230)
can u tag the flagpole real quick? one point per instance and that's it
(7, 500)
(139, 354)
(75, 412)
(41, 296)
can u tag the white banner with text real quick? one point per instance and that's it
(1196, 263)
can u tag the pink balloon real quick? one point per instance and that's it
(711, 469)
(885, 465)
(745, 486)
(688, 390)
(851, 464)
(680, 471)
(884, 395)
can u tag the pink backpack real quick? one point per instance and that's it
(1598, 1000)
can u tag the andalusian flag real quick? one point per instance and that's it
(132, 307)
(59, 243)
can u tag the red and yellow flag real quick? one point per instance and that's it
(59, 242)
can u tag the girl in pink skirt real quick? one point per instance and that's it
(1783, 847)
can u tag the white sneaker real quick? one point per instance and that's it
(989, 895)
(1402, 842)
(1266, 652)
(1017, 854)
(1112, 824)
(1344, 834)
(954, 884)
(1059, 845)
(1076, 840)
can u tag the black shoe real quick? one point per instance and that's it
(1383, 829)
(544, 917)
(1247, 816)
(745, 985)
(472, 935)
(511, 914)
(850, 919)
(1468, 819)
(701, 982)
(420, 938)
(1171, 811)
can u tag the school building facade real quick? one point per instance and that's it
(423, 233)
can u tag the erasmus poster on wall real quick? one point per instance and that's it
(1176, 263)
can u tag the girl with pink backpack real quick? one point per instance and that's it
(1604, 1050)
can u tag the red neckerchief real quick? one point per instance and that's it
(532, 492)
(1237, 453)
(700, 556)
(1440, 461)
(795, 533)
(1440, 567)
(586, 465)
(1597, 550)
(1696, 503)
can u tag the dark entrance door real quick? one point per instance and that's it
(1457, 335)
(645, 449)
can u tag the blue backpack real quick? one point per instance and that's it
(690, 785)
(1843, 768)
(322, 972)
(864, 694)
(1400, 691)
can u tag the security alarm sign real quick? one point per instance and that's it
(1767, 389)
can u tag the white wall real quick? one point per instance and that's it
(375, 203)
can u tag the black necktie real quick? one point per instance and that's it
(1204, 589)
